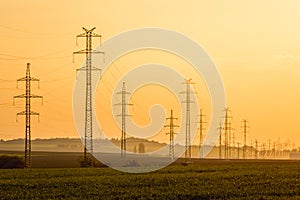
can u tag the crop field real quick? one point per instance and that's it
(204, 179)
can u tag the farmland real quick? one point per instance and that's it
(205, 179)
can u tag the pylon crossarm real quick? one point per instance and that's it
(123, 115)
(21, 113)
(34, 79)
(85, 69)
(21, 79)
(96, 35)
(35, 96)
(20, 96)
(34, 113)
(91, 30)
(81, 52)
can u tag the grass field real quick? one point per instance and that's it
(205, 179)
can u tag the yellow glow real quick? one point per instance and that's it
(255, 45)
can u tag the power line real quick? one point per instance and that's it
(33, 33)
(45, 56)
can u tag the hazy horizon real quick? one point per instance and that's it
(255, 46)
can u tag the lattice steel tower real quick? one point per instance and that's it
(88, 68)
(27, 112)
(171, 133)
(201, 128)
(124, 114)
(220, 141)
(245, 137)
(227, 132)
(188, 150)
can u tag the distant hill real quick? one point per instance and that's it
(73, 144)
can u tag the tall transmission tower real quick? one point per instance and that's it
(227, 130)
(171, 133)
(124, 114)
(274, 149)
(188, 150)
(201, 128)
(245, 129)
(88, 68)
(230, 140)
(28, 112)
(256, 149)
(238, 149)
(220, 141)
(269, 148)
(233, 144)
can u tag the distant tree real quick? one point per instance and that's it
(141, 148)
(11, 162)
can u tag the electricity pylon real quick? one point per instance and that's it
(201, 128)
(230, 139)
(220, 141)
(28, 112)
(188, 150)
(238, 153)
(256, 149)
(245, 137)
(171, 133)
(124, 114)
(233, 145)
(227, 130)
(88, 132)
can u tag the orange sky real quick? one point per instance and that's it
(254, 44)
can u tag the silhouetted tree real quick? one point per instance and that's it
(11, 162)
(141, 148)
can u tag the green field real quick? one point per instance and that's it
(205, 179)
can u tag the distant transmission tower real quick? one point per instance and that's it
(230, 140)
(88, 133)
(269, 148)
(245, 128)
(238, 150)
(201, 128)
(220, 141)
(171, 133)
(124, 114)
(227, 132)
(256, 149)
(274, 149)
(188, 150)
(233, 145)
(28, 112)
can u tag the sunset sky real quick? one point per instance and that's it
(254, 44)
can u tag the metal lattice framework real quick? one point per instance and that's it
(188, 152)
(123, 114)
(171, 133)
(245, 130)
(227, 135)
(27, 112)
(201, 129)
(88, 133)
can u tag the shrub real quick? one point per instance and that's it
(11, 162)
